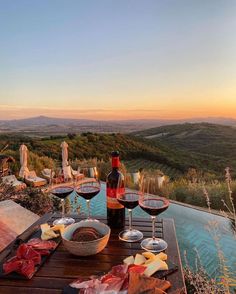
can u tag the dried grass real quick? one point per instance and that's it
(198, 281)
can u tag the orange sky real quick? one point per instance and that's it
(179, 112)
(116, 60)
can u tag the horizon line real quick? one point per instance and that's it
(131, 119)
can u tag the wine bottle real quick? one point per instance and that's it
(115, 185)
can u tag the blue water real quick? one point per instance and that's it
(191, 229)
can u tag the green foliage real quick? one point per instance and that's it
(89, 145)
(183, 190)
(135, 165)
(31, 198)
(35, 162)
(104, 167)
(36, 201)
(203, 146)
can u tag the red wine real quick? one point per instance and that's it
(129, 200)
(62, 192)
(87, 191)
(115, 187)
(154, 206)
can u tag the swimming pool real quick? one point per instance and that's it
(191, 229)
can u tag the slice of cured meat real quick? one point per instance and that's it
(12, 265)
(107, 277)
(37, 243)
(43, 252)
(28, 255)
(125, 283)
(136, 268)
(119, 270)
(27, 269)
(93, 286)
(26, 252)
(114, 284)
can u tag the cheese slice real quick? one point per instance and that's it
(44, 227)
(60, 228)
(47, 232)
(162, 256)
(150, 260)
(149, 255)
(156, 265)
(139, 259)
(129, 260)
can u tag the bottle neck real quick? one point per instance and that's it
(115, 163)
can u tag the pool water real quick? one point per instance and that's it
(191, 229)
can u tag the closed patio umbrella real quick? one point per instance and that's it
(23, 161)
(64, 154)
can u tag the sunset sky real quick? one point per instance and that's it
(107, 59)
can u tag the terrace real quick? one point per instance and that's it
(200, 233)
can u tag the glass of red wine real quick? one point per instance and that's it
(130, 200)
(89, 187)
(62, 192)
(153, 205)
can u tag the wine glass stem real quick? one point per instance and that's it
(130, 219)
(62, 208)
(153, 227)
(88, 207)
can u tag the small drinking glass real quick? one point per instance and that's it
(89, 187)
(153, 205)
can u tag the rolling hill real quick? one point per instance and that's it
(206, 146)
(44, 126)
(173, 149)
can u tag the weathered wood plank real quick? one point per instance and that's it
(25, 290)
(169, 235)
(38, 282)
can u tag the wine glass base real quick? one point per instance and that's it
(154, 245)
(64, 221)
(130, 235)
(90, 219)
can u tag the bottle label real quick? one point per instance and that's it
(115, 162)
(112, 201)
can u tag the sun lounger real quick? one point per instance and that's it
(12, 181)
(69, 173)
(76, 174)
(48, 174)
(33, 180)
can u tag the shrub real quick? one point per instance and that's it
(31, 198)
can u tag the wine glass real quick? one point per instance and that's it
(153, 205)
(62, 192)
(130, 200)
(89, 187)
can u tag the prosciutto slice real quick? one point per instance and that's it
(39, 244)
(27, 269)
(93, 286)
(111, 283)
(12, 265)
(119, 270)
(28, 255)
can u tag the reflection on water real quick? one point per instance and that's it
(191, 229)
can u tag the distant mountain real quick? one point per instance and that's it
(207, 146)
(50, 125)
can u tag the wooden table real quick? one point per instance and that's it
(61, 268)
